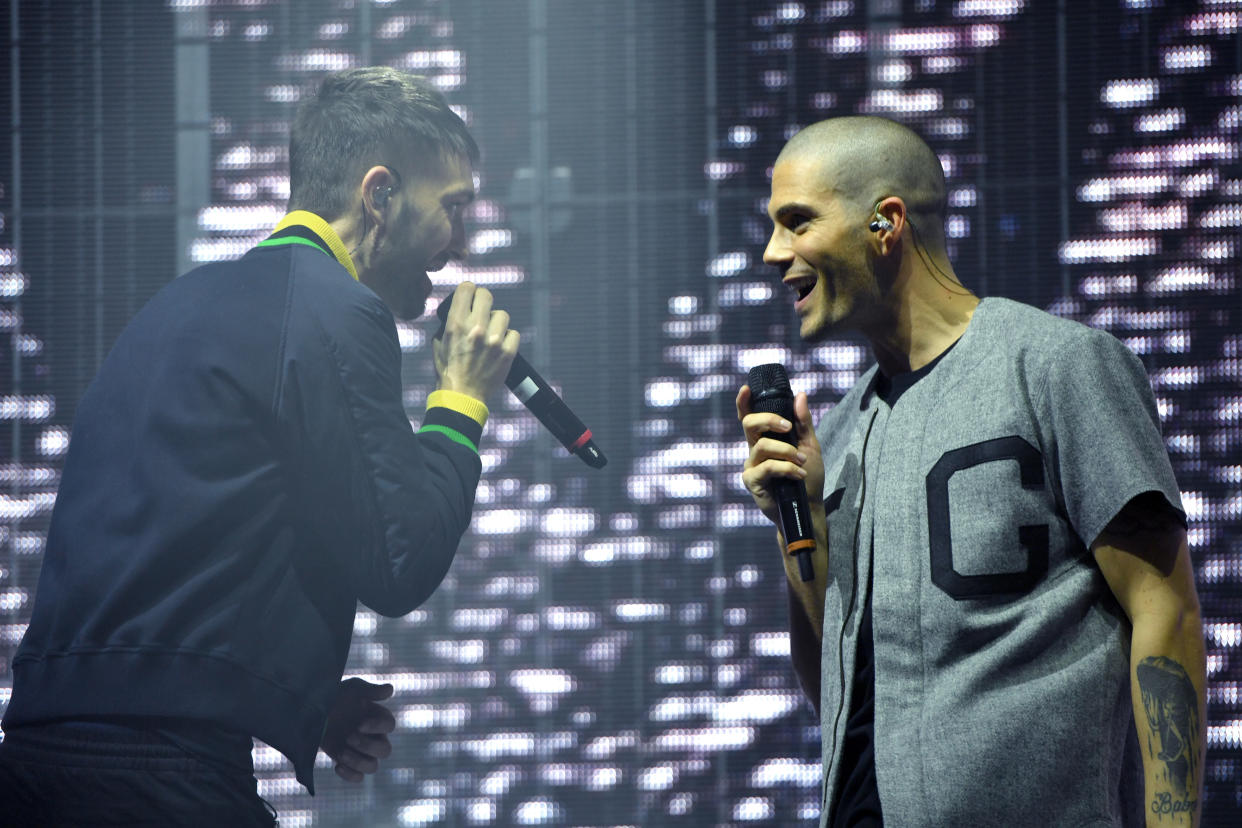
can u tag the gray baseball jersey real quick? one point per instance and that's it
(1001, 657)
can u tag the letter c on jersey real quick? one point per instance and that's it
(1033, 539)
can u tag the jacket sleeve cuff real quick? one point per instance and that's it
(461, 403)
(457, 416)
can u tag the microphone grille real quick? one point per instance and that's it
(768, 379)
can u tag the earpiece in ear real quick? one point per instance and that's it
(879, 222)
(381, 196)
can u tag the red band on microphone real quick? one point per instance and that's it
(581, 441)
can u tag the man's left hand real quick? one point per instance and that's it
(356, 737)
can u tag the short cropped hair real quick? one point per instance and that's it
(361, 118)
(865, 158)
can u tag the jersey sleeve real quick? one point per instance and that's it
(1105, 431)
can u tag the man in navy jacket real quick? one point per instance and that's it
(242, 472)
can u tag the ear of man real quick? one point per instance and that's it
(890, 221)
(378, 186)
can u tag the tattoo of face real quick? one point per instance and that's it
(1172, 708)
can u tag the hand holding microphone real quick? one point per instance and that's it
(523, 380)
(784, 465)
(475, 347)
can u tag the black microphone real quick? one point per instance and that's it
(535, 393)
(770, 393)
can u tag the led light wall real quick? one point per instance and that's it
(610, 646)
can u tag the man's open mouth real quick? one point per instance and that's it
(802, 285)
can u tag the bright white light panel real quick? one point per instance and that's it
(628, 664)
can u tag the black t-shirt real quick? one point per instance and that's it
(858, 802)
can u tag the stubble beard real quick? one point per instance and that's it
(405, 286)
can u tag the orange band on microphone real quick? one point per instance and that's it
(802, 544)
(581, 441)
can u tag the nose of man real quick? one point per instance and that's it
(778, 252)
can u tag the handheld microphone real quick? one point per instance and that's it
(770, 393)
(535, 393)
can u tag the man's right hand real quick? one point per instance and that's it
(477, 346)
(770, 457)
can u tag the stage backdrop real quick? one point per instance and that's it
(610, 648)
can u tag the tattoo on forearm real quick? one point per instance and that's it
(1172, 708)
(1164, 804)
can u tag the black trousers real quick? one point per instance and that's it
(74, 775)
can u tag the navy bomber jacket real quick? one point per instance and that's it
(241, 473)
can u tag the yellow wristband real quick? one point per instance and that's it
(459, 402)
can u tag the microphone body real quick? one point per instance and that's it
(770, 392)
(547, 406)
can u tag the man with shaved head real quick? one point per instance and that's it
(1002, 627)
